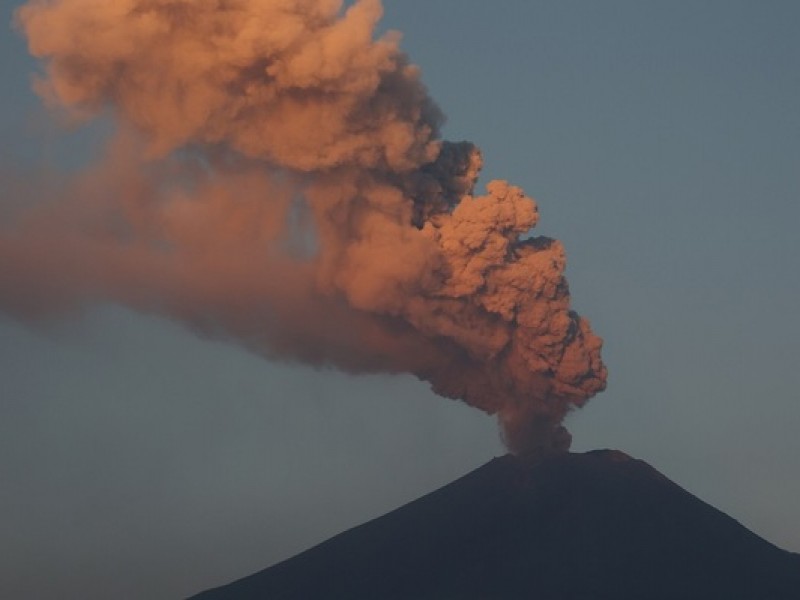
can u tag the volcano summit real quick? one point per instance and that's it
(571, 526)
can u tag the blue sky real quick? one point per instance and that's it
(662, 142)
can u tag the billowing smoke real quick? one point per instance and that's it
(277, 178)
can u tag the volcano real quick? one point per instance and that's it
(593, 526)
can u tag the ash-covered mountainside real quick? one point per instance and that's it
(599, 525)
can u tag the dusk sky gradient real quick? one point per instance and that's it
(662, 143)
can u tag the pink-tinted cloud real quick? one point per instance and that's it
(278, 179)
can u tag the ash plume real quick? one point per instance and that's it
(277, 178)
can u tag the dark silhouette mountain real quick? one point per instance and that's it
(592, 526)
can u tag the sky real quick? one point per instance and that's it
(661, 141)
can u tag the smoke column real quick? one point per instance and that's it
(277, 178)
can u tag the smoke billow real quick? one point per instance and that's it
(277, 178)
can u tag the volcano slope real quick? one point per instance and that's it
(591, 526)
